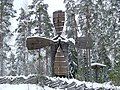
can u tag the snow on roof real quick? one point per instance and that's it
(62, 38)
(40, 37)
(79, 33)
(98, 64)
(54, 39)
(36, 36)
(72, 40)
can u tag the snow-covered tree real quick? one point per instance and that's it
(11, 65)
(71, 30)
(100, 18)
(70, 15)
(6, 12)
(114, 39)
(21, 53)
(40, 19)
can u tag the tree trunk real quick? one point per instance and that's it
(1, 20)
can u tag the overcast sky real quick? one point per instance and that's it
(53, 5)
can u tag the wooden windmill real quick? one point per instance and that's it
(59, 47)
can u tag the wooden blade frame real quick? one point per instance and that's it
(58, 20)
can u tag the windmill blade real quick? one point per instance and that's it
(38, 42)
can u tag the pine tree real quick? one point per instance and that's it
(41, 21)
(6, 12)
(71, 32)
(103, 27)
(21, 53)
(114, 35)
(70, 15)
(12, 65)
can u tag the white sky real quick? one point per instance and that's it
(53, 5)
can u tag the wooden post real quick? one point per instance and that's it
(87, 35)
(97, 67)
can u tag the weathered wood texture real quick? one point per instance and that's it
(58, 20)
(37, 43)
(85, 42)
(59, 58)
(60, 64)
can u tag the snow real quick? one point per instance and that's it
(71, 83)
(13, 77)
(64, 39)
(54, 5)
(61, 38)
(23, 87)
(98, 64)
(72, 40)
(90, 85)
(36, 36)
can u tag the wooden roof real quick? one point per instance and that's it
(37, 42)
(84, 42)
(97, 65)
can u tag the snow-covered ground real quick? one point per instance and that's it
(23, 87)
(36, 87)
(51, 83)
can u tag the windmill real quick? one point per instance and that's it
(59, 46)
